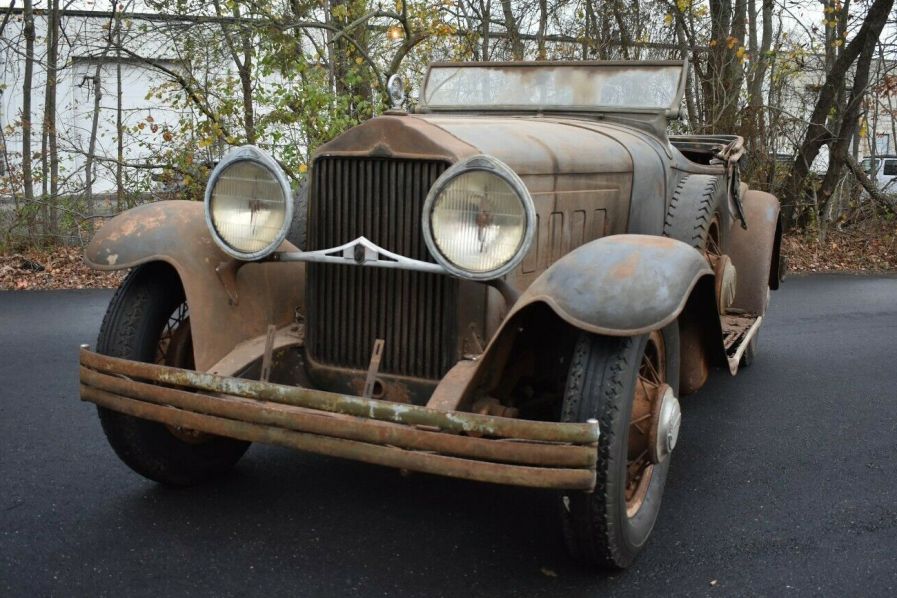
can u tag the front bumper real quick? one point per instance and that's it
(450, 443)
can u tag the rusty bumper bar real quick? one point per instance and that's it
(450, 443)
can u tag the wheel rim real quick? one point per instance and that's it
(175, 346)
(175, 349)
(649, 388)
(713, 246)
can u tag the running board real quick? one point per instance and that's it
(738, 330)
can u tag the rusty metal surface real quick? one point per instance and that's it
(734, 329)
(451, 389)
(344, 426)
(482, 471)
(738, 339)
(506, 451)
(348, 307)
(537, 146)
(622, 285)
(347, 404)
(175, 232)
(753, 251)
(398, 136)
(248, 351)
(646, 204)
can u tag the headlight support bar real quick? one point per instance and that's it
(360, 252)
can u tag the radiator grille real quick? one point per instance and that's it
(349, 307)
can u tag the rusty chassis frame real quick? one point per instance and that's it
(409, 437)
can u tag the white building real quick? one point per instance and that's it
(85, 56)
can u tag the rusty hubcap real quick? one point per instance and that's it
(650, 388)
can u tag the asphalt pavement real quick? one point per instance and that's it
(784, 483)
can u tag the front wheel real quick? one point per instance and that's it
(628, 384)
(148, 321)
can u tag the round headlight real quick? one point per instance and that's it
(248, 207)
(479, 219)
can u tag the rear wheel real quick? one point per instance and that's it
(148, 320)
(629, 384)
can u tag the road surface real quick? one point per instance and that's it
(784, 483)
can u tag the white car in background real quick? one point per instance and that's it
(884, 172)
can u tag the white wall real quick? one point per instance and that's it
(81, 50)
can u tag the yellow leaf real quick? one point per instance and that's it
(303, 168)
(359, 60)
(667, 19)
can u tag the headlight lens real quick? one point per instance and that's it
(247, 204)
(479, 219)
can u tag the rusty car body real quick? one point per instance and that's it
(638, 262)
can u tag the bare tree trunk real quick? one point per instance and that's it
(754, 121)
(714, 84)
(543, 25)
(50, 114)
(352, 79)
(588, 39)
(849, 121)
(243, 45)
(119, 126)
(620, 18)
(869, 185)
(513, 31)
(27, 176)
(92, 147)
(486, 10)
(817, 134)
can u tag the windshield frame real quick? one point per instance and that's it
(671, 111)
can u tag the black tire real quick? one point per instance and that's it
(601, 385)
(697, 200)
(132, 328)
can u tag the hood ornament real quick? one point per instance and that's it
(395, 87)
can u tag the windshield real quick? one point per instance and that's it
(574, 86)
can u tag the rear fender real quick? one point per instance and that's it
(755, 251)
(175, 232)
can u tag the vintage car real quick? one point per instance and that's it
(513, 284)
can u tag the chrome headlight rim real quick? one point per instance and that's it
(249, 153)
(480, 162)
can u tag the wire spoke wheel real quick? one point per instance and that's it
(649, 389)
(628, 384)
(175, 349)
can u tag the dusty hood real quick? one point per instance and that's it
(531, 146)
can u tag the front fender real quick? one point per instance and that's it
(622, 285)
(175, 232)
